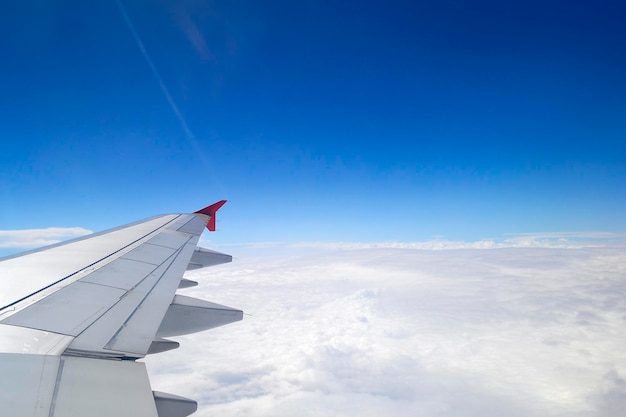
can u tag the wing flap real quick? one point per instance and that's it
(121, 273)
(129, 327)
(103, 388)
(139, 330)
(27, 383)
(68, 311)
(95, 338)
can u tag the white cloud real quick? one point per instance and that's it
(428, 245)
(405, 332)
(32, 238)
(527, 240)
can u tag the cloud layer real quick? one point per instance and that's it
(32, 238)
(405, 332)
(527, 240)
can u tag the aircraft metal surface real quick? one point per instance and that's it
(76, 316)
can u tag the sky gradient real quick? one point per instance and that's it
(352, 139)
(319, 121)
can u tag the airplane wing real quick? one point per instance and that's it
(75, 317)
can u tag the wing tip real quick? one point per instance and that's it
(210, 211)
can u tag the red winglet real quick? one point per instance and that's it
(210, 211)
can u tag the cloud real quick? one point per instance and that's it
(612, 398)
(428, 245)
(400, 331)
(32, 238)
(528, 240)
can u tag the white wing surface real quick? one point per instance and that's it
(76, 316)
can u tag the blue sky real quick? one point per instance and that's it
(320, 120)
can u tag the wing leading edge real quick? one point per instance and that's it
(75, 317)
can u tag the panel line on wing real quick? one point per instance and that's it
(122, 273)
(68, 311)
(169, 260)
(104, 332)
(129, 318)
(139, 331)
(87, 266)
(57, 385)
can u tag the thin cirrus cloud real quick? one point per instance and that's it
(32, 238)
(516, 331)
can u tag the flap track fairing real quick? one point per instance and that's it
(189, 315)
